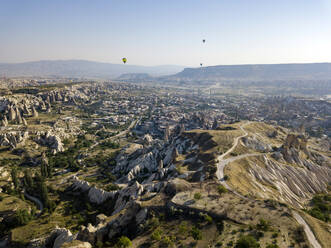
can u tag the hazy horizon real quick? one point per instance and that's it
(175, 65)
(151, 33)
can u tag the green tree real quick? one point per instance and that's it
(197, 196)
(28, 181)
(14, 177)
(196, 233)
(123, 242)
(45, 170)
(263, 225)
(22, 217)
(157, 235)
(44, 193)
(50, 170)
(221, 189)
(247, 241)
(208, 218)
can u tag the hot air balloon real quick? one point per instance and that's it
(200, 64)
(124, 60)
(203, 40)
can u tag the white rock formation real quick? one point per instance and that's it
(51, 140)
(13, 138)
(62, 235)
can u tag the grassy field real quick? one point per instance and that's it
(11, 203)
(61, 217)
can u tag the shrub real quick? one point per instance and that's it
(230, 243)
(247, 241)
(14, 177)
(272, 246)
(219, 244)
(112, 187)
(221, 189)
(196, 233)
(208, 218)
(182, 229)
(22, 217)
(321, 207)
(166, 242)
(299, 234)
(220, 226)
(123, 242)
(153, 223)
(263, 225)
(226, 177)
(157, 235)
(109, 144)
(197, 196)
(274, 235)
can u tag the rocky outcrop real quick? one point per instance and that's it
(146, 162)
(62, 235)
(127, 195)
(11, 114)
(51, 140)
(77, 244)
(177, 185)
(89, 233)
(255, 144)
(99, 196)
(147, 139)
(294, 184)
(13, 138)
(18, 116)
(293, 146)
(133, 215)
(95, 195)
(121, 197)
(34, 112)
(93, 234)
(4, 121)
(24, 121)
(56, 239)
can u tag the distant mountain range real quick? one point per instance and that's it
(261, 72)
(81, 69)
(169, 73)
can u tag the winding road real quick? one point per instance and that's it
(35, 200)
(220, 175)
(223, 162)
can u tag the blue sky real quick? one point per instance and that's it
(157, 32)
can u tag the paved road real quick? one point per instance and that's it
(223, 162)
(310, 235)
(220, 175)
(35, 200)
